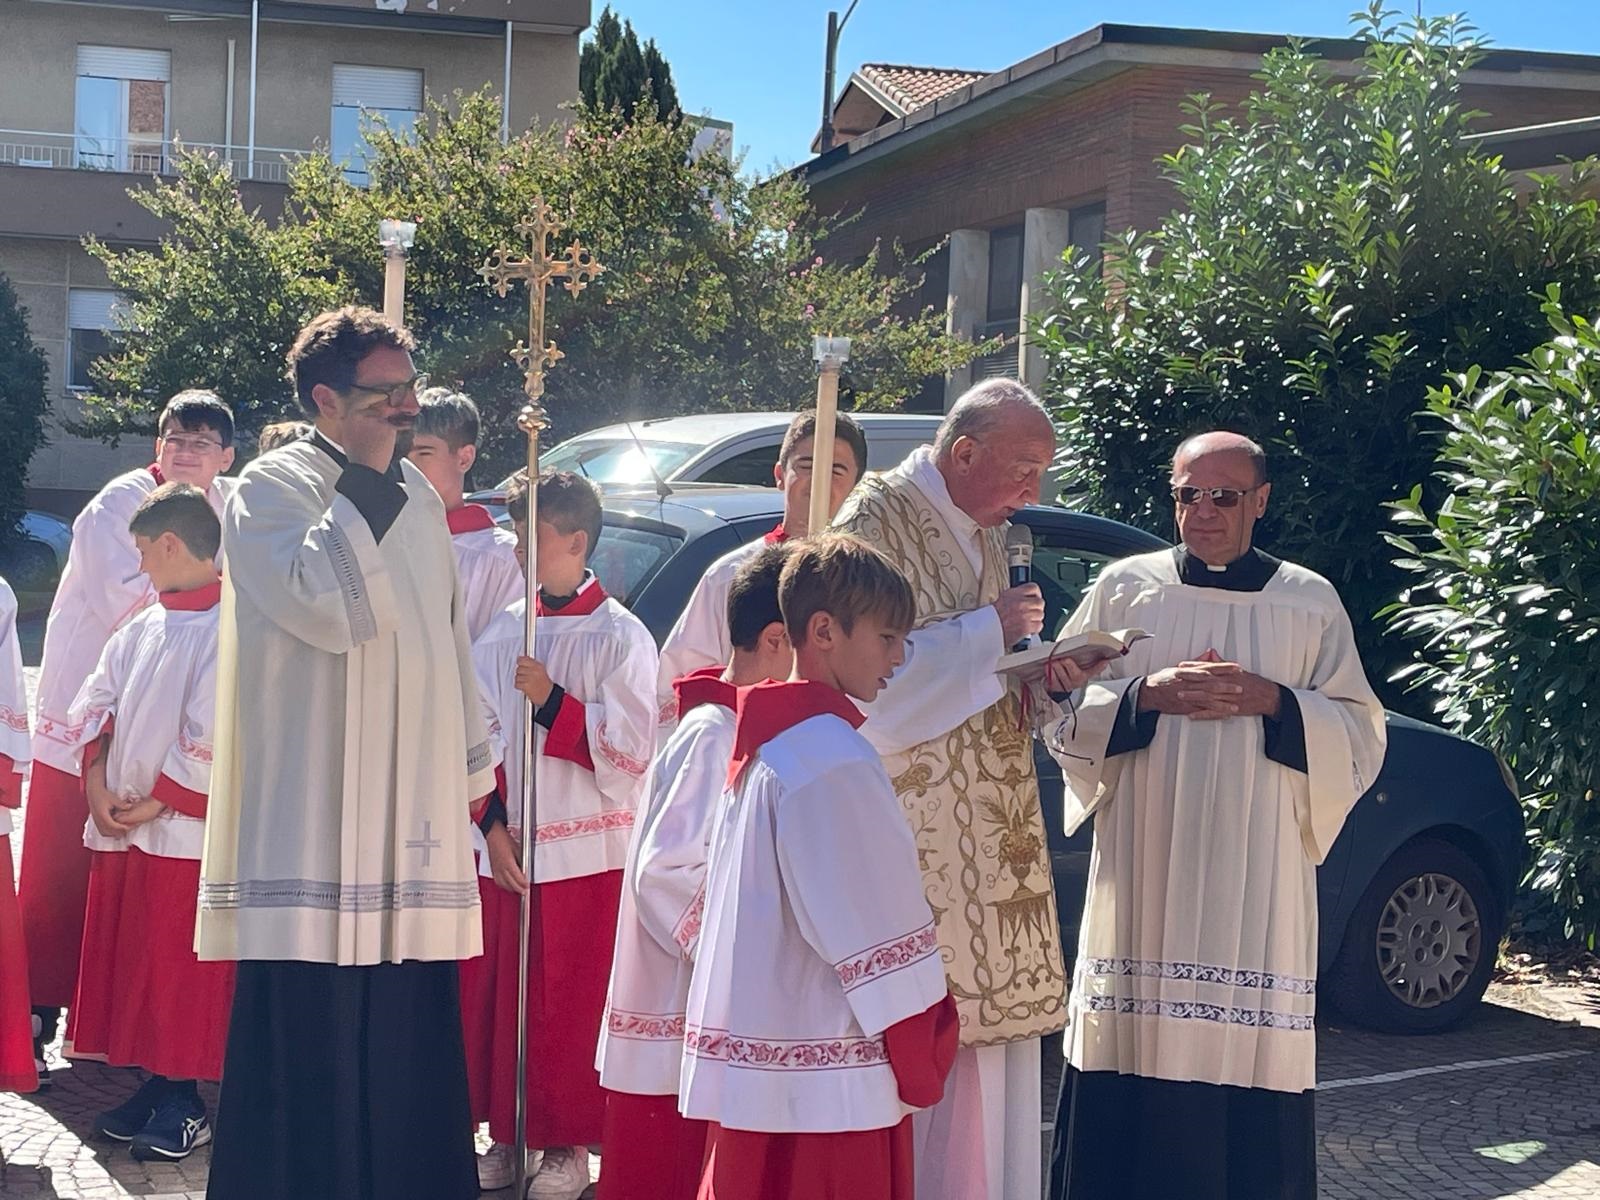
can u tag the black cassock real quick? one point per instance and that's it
(1138, 1138)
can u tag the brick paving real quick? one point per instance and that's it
(1507, 1105)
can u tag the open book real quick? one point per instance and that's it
(1086, 649)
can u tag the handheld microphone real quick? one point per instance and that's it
(1019, 558)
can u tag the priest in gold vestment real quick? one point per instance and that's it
(957, 744)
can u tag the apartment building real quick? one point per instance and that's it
(94, 96)
(1008, 169)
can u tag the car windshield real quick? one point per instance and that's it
(626, 558)
(619, 460)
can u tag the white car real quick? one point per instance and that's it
(735, 447)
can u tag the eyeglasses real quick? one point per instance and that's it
(395, 393)
(1221, 497)
(191, 445)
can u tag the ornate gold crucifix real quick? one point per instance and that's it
(573, 270)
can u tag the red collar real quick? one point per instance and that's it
(705, 686)
(590, 597)
(196, 600)
(155, 471)
(767, 709)
(778, 534)
(469, 518)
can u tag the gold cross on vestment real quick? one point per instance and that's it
(573, 269)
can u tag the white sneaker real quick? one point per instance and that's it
(496, 1167)
(563, 1175)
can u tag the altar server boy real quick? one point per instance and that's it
(444, 445)
(143, 731)
(592, 686)
(651, 1152)
(818, 1017)
(17, 1070)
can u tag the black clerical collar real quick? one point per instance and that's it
(321, 441)
(1247, 573)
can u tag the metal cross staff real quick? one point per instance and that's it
(573, 269)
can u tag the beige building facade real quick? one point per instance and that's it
(94, 97)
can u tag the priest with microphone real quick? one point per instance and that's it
(956, 740)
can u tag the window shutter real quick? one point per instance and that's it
(377, 87)
(112, 62)
(91, 308)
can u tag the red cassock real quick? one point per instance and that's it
(16, 1031)
(569, 966)
(873, 1164)
(652, 1151)
(54, 883)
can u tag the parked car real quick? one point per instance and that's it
(1414, 893)
(735, 447)
(34, 560)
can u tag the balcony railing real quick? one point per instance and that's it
(140, 156)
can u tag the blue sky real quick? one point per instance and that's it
(759, 63)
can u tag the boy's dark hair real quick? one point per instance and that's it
(330, 348)
(450, 416)
(181, 509)
(281, 433)
(567, 501)
(840, 574)
(753, 596)
(196, 409)
(846, 429)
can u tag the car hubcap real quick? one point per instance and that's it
(1429, 940)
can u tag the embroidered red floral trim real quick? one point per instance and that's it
(619, 759)
(887, 958)
(645, 1027)
(14, 719)
(189, 748)
(688, 926)
(823, 1054)
(560, 831)
(70, 735)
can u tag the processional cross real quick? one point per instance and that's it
(572, 269)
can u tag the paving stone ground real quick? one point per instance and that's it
(1507, 1105)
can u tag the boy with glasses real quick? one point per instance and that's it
(101, 588)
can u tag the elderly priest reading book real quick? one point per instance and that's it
(1218, 758)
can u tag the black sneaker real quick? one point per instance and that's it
(133, 1114)
(39, 1065)
(178, 1128)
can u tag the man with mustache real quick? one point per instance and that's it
(349, 750)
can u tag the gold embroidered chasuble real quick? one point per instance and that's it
(971, 795)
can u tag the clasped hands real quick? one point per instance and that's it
(1209, 689)
(115, 816)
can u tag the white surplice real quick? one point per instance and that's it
(350, 738)
(815, 939)
(1198, 954)
(981, 1142)
(605, 660)
(155, 685)
(699, 638)
(663, 897)
(491, 578)
(14, 740)
(101, 587)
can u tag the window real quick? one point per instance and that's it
(620, 460)
(1063, 573)
(753, 467)
(1005, 275)
(121, 109)
(393, 94)
(626, 558)
(1086, 226)
(91, 316)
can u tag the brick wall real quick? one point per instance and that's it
(1099, 142)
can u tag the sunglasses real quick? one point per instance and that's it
(395, 393)
(1221, 497)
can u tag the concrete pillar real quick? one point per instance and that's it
(967, 304)
(1045, 237)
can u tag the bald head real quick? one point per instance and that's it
(993, 450)
(995, 407)
(1222, 443)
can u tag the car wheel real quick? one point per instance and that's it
(1421, 944)
(30, 567)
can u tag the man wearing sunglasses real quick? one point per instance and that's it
(338, 870)
(1218, 760)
